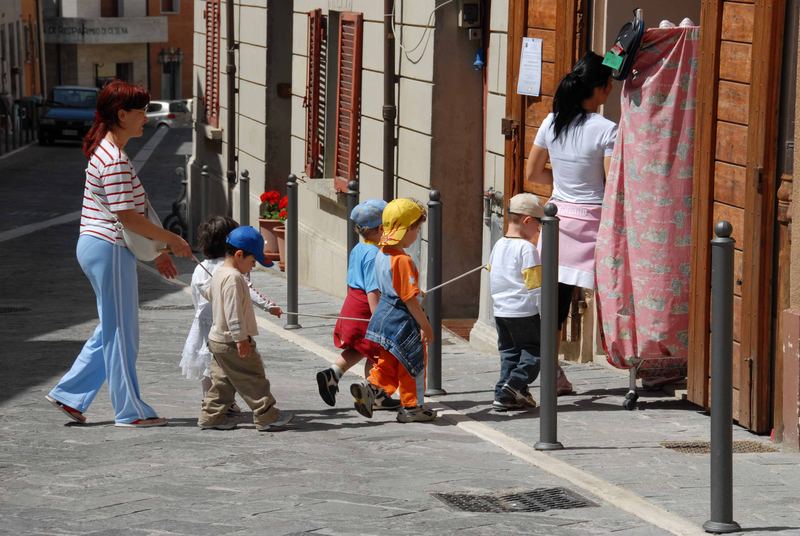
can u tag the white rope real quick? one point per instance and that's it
(456, 278)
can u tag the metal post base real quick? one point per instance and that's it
(292, 326)
(435, 392)
(718, 527)
(544, 445)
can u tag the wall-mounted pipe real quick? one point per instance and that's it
(230, 70)
(389, 108)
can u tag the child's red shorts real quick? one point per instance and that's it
(349, 334)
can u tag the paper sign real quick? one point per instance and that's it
(530, 67)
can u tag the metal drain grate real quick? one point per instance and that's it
(12, 309)
(704, 447)
(166, 307)
(537, 500)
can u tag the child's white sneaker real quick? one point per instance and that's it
(416, 414)
(363, 398)
(284, 418)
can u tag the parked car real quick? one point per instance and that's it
(169, 114)
(68, 114)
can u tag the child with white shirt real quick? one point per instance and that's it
(515, 280)
(196, 357)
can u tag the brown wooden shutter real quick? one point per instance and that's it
(348, 99)
(211, 96)
(314, 120)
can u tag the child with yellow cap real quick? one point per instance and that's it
(399, 324)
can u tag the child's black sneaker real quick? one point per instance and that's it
(363, 398)
(385, 402)
(506, 404)
(416, 414)
(523, 398)
(328, 386)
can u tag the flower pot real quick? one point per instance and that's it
(280, 234)
(270, 240)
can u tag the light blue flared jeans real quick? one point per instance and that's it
(111, 351)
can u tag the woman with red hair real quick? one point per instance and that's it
(110, 267)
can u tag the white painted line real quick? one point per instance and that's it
(612, 494)
(140, 160)
(38, 226)
(17, 150)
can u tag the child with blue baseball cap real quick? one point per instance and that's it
(237, 366)
(362, 298)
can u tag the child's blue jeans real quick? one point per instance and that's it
(518, 343)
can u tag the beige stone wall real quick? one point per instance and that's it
(90, 55)
(323, 227)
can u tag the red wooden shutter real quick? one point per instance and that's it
(311, 102)
(211, 96)
(348, 99)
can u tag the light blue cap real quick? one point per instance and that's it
(368, 214)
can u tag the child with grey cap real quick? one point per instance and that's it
(515, 279)
(362, 298)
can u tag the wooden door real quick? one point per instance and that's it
(561, 25)
(735, 180)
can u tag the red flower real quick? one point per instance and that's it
(284, 202)
(282, 214)
(264, 197)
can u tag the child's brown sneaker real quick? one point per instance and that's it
(416, 414)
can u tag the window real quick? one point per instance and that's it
(211, 96)
(314, 101)
(333, 96)
(348, 99)
(178, 106)
(154, 107)
(170, 6)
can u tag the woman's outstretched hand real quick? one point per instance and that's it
(179, 246)
(165, 266)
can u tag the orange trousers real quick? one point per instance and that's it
(390, 375)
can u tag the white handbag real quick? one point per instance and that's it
(145, 249)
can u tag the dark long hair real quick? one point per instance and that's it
(211, 235)
(577, 86)
(115, 96)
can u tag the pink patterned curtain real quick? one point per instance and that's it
(644, 242)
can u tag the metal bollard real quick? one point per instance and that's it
(244, 198)
(204, 177)
(722, 380)
(352, 201)
(291, 254)
(433, 301)
(548, 418)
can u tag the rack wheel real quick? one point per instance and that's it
(630, 400)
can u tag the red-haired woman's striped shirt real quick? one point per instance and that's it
(110, 175)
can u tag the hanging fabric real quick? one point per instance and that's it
(644, 241)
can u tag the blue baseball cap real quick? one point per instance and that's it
(249, 240)
(368, 214)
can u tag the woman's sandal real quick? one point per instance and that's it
(71, 412)
(143, 423)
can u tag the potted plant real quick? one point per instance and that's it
(272, 213)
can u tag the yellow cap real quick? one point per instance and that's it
(398, 216)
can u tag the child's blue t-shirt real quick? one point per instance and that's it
(361, 270)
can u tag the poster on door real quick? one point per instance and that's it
(530, 67)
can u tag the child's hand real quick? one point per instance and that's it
(275, 310)
(426, 332)
(244, 348)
